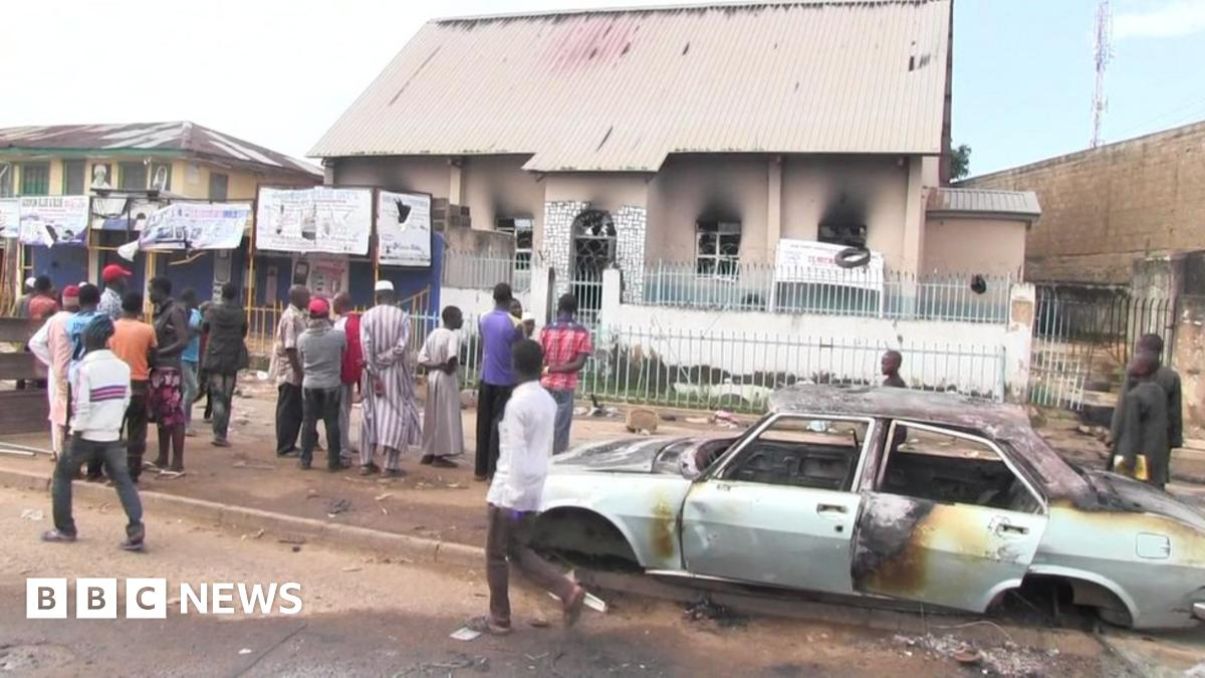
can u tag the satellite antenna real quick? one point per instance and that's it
(1103, 54)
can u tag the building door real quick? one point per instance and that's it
(593, 253)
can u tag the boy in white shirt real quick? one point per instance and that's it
(525, 442)
(101, 394)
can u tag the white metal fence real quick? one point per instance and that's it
(852, 292)
(470, 270)
(739, 370)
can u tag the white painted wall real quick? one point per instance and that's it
(474, 302)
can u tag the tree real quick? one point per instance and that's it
(960, 162)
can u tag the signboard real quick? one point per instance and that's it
(325, 274)
(54, 220)
(196, 226)
(404, 229)
(10, 218)
(319, 219)
(805, 261)
(123, 214)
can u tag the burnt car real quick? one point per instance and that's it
(925, 497)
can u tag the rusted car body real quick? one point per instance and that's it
(932, 498)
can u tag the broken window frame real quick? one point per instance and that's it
(881, 471)
(720, 266)
(719, 469)
(836, 237)
(523, 230)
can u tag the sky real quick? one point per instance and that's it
(279, 73)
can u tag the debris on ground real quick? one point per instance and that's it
(640, 419)
(1007, 659)
(669, 416)
(539, 623)
(705, 609)
(457, 662)
(697, 420)
(32, 514)
(297, 541)
(337, 506)
(245, 650)
(465, 633)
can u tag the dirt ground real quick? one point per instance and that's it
(364, 615)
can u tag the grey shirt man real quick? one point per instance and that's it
(321, 348)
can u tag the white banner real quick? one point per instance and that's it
(196, 226)
(404, 229)
(10, 218)
(805, 261)
(319, 219)
(54, 220)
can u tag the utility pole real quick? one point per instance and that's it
(1103, 55)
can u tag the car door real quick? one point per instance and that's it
(780, 510)
(949, 521)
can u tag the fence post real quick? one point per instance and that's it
(612, 289)
(543, 286)
(1018, 341)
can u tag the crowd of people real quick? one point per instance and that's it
(110, 375)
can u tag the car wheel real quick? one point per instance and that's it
(584, 538)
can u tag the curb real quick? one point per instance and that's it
(281, 526)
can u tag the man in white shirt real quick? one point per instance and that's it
(525, 449)
(101, 395)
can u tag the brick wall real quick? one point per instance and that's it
(1104, 208)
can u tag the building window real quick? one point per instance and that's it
(73, 177)
(218, 185)
(6, 180)
(35, 178)
(719, 248)
(161, 176)
(849, 235)
(522, 229)
(133, 176)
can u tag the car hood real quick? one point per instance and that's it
(634, 454)
(1126, 494)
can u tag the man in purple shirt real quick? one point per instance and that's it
(498, 334)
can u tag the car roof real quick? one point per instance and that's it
(949, 409)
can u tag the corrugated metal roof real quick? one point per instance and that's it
(983, 201)
(621, 89)
(185, 137)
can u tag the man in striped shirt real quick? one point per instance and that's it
(566, 347)
(101, 397)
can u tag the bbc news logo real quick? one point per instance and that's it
(48, 598)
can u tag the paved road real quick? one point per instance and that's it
(366, 616)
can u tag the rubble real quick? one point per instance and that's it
(641, 419)
(1007, 659)
(705, 610)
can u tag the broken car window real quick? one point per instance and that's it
(802, 452)
(944, 467)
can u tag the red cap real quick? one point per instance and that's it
(319, 307)
(71, 292)
(113, 272)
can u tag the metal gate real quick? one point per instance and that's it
(1083, 339)
(593, 253)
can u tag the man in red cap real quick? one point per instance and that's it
(114, 277)
(321, 348)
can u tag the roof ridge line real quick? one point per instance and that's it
(652, 9)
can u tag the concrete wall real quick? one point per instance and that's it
(1104, 208)
(421, 174)
(498, 186)
(975, 245)
(1188, 357)
(690, 187)
(871, 190)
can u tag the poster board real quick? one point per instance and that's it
(50, 221)
(318, 219)
(10, 218)
(806, 261)
(196, 226)
(325, 274)
(404, 229)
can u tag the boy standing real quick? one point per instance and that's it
(101, 394)
(525, 448)
(321, 348)
(1140, 427)
(443, 436)
(566, 346)
(134, 343)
